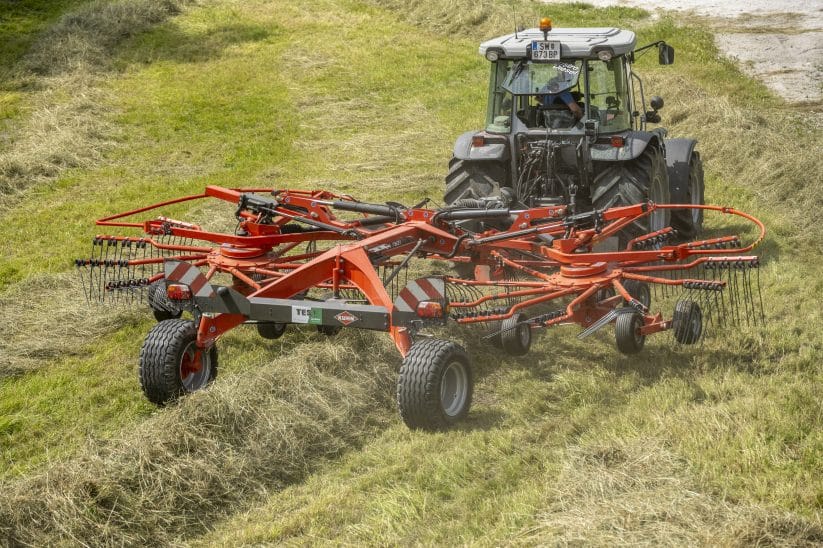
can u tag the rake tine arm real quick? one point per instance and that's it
(502, 283)
(513, 264)
(518, 307)
(580, 299)
(498, 296)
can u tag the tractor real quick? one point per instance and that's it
(567, 124)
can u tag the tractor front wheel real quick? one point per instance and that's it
(434, 389)
(172, 365)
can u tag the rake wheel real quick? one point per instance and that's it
(161, 307)
(171, 365)
(434, 389)
(640, 291)
(516, 338)
(627, 333)
(271, 331)
(687, 322)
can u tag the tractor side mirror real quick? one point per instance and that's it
(665, 54)
(652, 116)
(656, 102)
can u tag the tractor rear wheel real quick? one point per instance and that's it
(633, 182)
(689, 222)
(627, 333)
(172, 365)
(516, 337)
(434, 389)
(466, 180)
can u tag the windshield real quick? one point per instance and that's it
(527, 78)
(538, 94)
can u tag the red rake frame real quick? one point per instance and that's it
(546, 257)
(256, 256)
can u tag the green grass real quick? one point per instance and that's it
(726, 436)
(20, 22)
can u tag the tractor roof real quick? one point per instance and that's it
(574, 43)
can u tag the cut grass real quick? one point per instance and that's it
(233, 94)
(61, 125)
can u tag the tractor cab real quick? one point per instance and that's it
(537, 75)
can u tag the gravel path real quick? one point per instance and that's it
(780, 42)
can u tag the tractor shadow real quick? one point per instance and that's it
(169, 42)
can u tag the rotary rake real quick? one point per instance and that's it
(327, 260)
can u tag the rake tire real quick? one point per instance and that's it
(633, 182)
(424, 401)
(687, 322)
(328, 330)
(161, 307)
(272, 330)
(516, 338)
(627, 333)
(167, 350)
(640, 291)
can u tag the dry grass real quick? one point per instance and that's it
(37, 329)
(209, 456)
(65, 126)
(626, 492)
(776, 156)
(84, 40)
(66, 129)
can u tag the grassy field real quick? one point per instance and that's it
(299, 440)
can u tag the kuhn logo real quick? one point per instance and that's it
(346, 318)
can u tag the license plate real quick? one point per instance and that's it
(545, 50)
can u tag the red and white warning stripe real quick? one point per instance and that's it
(419, 290)
(190, 275)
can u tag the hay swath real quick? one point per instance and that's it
(316, 258)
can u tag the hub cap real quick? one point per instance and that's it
(195, 367)
(453, 388)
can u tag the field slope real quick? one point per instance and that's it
(106, 106)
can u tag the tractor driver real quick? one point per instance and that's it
(556, 90)
(564, 98)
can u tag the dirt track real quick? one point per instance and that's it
(778, 41)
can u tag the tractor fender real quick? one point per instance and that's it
(635, 143)
(495, 149)
(679, 154)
